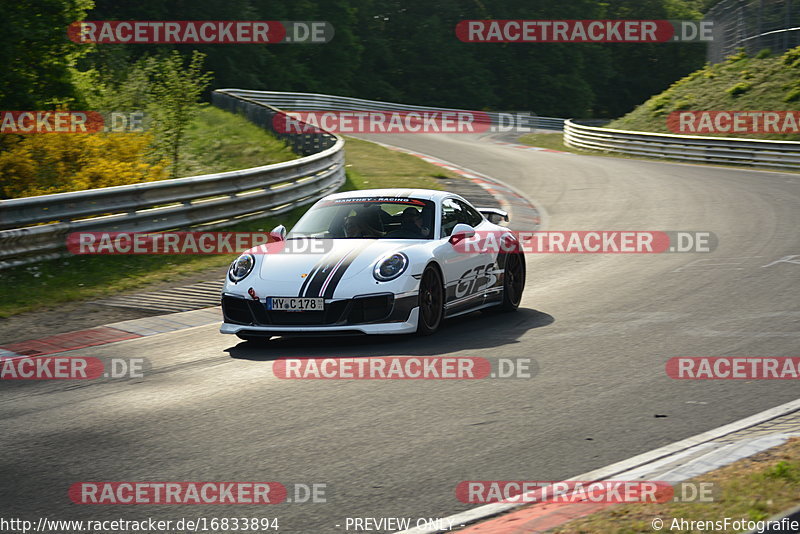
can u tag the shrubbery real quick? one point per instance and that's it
(166, 90)
(53, 163)
(764, 82)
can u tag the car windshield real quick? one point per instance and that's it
(369, 217)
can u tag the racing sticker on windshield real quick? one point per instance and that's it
(373, 200)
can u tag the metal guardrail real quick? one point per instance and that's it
(752, 152)
(262, 113)
(36, 228)
(320, 102)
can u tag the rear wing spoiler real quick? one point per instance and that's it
(495, 215)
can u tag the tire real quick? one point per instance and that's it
(255, 340)
(513, 283)
(431, 302)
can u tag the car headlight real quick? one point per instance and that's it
(390, 267)
(241, 267)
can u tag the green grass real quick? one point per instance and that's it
(553, 141)
(759, 83)
(373, 166)
(753, 489)
(218, 141)
(76, 278)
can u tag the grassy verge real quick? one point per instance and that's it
(762, 82)
(756, 83)
(371, 166)
(752, 489)
(47, 284)
(553, 141)
(218, 141)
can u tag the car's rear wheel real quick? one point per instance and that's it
(431, 302)
(513, 282)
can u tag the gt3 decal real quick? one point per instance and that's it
(476, 280)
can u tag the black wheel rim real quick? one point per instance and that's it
(430, 299)
(515, 279)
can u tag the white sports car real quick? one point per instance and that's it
(385, 264)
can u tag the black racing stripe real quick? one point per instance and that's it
(312, 274)
(319, 276)
(337, 276)
(308, 278)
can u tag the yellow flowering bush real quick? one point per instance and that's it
(51, 163)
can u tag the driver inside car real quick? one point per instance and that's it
(410, 225)
(356, 227)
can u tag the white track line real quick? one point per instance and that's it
(489, 510)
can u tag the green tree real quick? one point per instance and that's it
(407, 51)
(35, 53)
(175, 91)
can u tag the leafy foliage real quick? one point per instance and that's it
(35, 53)
(407, 51)
(163, 86)
(175, 94)
(54, 163)
(739, 88)
(741, 82)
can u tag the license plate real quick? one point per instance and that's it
(296, 304)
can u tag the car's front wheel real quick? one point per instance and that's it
(431, 302)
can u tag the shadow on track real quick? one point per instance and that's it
(473, 331)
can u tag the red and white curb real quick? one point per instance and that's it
(111, 333)
(672, 463)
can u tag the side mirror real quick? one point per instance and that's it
(460, 232)
(278, 233)
(494, 215)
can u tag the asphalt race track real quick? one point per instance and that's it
(600, 328)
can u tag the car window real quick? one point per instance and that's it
(474, 218)
(453, 213)
(368, 217)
